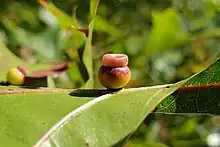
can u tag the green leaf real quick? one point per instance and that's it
(27, 114)
(202, 97)
(87, 54)
(166, 32)
(109, 118)
(93, 8)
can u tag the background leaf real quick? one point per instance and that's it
(102, 25)
(204, 99)
(166, 31)
(88, 54)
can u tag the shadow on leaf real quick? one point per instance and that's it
(92, 92)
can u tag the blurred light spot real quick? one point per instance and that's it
(47, 17)
(213, 140)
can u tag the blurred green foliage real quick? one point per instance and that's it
(166, 41)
